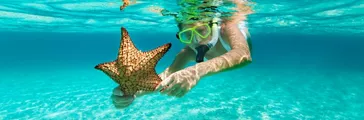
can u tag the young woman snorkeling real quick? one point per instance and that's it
(225, 43)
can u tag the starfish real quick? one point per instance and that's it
(126, 3)
(133, 69)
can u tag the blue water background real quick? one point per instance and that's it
(51, 76)
(307, 63)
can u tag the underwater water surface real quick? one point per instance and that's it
(307, 62)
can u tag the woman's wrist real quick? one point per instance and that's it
(197, 71)
(165, 74)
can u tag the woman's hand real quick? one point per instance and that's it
(119, 100)
(179, 83)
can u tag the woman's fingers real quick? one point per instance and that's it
(117, 91)
(177, 93)
(121, 106)
(174, 90)
(164, 84)
(168, 88)
(141, 93)
(121, 102)
(183, 91)
(172, 87)
(122, 99)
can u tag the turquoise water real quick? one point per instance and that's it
(312, 69)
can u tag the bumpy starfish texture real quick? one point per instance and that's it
(133, 69)
(126, 3)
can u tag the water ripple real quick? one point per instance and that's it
(94, 16)
(260, 95)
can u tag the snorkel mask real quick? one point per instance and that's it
(203, 48)
(198, 11)
(188, 35)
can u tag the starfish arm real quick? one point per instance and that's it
(149, 82)
(128, 53)
(110, 69)
(126, 3)
(127, 89)
(153, 56)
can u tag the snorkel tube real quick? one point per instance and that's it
(203, 48)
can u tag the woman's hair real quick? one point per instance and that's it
(242, 9)
(179, 25)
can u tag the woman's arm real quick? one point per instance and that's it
(182, 58)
